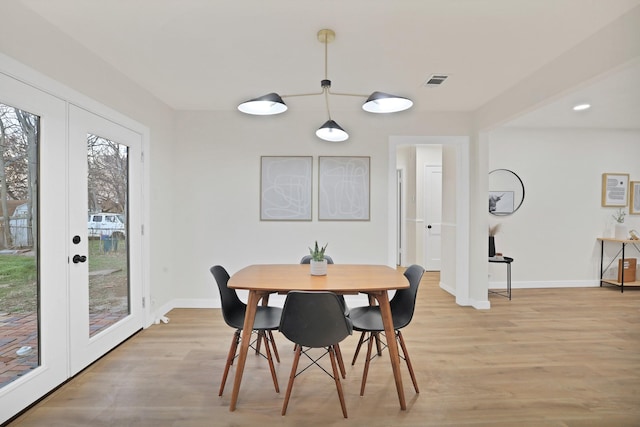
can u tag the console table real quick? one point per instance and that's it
(621, 253)
(503, 260)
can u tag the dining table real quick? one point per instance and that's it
(261, 280)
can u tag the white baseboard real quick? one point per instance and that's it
(541, 285)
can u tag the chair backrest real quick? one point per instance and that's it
(403, 302)
(307, 259)
(233, 309)
(314, 319)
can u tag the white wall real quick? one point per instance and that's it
(553, 235)
(218, 156)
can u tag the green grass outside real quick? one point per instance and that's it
(18, 275)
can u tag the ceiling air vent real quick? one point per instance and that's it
(435, 80)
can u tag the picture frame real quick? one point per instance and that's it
(615, 189)
(634, 201)
(343, 188)
(285, 188)
(501, 202)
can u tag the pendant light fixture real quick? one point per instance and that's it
(377, 102)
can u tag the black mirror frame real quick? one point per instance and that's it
(521, 184)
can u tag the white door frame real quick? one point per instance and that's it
(460, 286)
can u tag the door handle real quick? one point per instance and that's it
(429, 226)
(79, 258)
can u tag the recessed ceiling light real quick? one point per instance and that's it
(581, 107)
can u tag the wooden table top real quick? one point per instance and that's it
(611, 239)
(340, 278)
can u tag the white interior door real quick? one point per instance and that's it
(432, 217)
(106, 299)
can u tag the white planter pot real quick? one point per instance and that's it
(319, 268)
(621, 232)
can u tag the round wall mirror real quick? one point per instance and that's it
(506, 192)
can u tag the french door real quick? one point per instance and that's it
(105, 274)
(85, 294)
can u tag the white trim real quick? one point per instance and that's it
(462, 144)
(558, 284)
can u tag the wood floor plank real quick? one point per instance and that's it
(548, 357)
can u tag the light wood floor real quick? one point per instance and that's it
(563, 357)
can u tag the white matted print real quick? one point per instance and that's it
(343, 193)
(285, 188)
(615, 189)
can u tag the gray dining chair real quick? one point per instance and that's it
(233, 311)
(314, 320)
(368, 321)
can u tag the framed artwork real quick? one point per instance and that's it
(615, 189)
(501, 202)
(343, 193)
(634, 203)
(285, 188)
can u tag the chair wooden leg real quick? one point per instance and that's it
(230, 357)
(292, 376)
(343, 371)
(332, 355)
(270, 359)
(406, 358)
(273, 344)
(366, 364)
(355, 356)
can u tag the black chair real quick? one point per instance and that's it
(314, 320)
(233, 310)
(307, 260)
(368, 320)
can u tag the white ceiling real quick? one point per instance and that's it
(213, 54)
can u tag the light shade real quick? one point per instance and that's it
(266, 105)
(331, 131)
(380, 102)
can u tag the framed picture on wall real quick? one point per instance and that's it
(615, 189)
(501, 202)
(634, 204)
(343, 191)
(285, 188)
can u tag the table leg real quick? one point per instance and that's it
(392, 344)
(249, 318)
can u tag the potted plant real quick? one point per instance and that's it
(318, 263)
(620, 231)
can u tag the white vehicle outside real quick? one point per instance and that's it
(106, 225)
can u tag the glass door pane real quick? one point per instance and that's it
(19, 284)
(108, 185)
